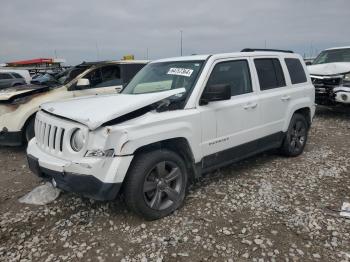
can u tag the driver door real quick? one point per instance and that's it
(230, 127)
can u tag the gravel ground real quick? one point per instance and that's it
(267, 208)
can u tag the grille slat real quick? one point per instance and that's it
(52, 137)
(46, 129)
(61, 141)
(58, 139)
(36, 127)
(42, 128)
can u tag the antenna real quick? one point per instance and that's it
(181, 42)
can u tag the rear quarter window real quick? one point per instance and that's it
(296, 70)
(17, 75)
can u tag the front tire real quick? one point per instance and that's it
(296, 136)
(156, 183)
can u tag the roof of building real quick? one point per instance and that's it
(37, 61)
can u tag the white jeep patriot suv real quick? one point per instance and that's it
(177, 119)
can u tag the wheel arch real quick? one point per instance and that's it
(178, 145)
(304, 110)
(26, 123)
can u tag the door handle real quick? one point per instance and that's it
(250, 105)
(285, 98)
(254, 105)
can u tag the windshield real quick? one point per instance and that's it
(162, 76)
(332, 56)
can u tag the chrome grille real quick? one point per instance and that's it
(49, 136)
(326, 82)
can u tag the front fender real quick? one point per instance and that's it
(131, 138)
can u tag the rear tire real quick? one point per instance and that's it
(156, 183)
(296, 137)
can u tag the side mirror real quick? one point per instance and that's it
(217, 92)
(83, 83)
(308, 63)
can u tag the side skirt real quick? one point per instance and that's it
(235, 154)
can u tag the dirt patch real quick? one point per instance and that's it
(267, 207)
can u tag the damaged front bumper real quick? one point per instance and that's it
(96, 178)
(342, 94)
(329, 90)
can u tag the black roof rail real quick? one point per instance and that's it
(265, 50)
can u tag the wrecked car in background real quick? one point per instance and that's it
(330, 74)
(18, 105)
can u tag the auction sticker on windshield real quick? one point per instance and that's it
(180, 71)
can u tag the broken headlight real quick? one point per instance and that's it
(346, 80)
(100, 153)
(77, 140)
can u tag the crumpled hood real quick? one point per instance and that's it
(329, 69)
(20, 91)
(93, 111)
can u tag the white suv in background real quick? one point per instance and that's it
(330, 74)
(177, 119)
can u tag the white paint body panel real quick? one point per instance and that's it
(328, 69)
(208, 129)
(93, 111)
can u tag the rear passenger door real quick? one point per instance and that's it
(230, 123)
(297, 79)
(274, 95)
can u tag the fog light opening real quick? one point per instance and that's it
(54, 183)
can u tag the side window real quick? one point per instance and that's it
(270, 73)
(16, 75)
(111, 76)
(94, 77)
(4, 76)
(296, 70)
(234, 73)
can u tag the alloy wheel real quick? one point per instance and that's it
(298, 136)
(162, 185)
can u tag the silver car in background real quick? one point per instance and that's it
(10, 79)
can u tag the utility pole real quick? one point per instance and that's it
(181, 42)
(265, 44)
(55, 53)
